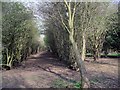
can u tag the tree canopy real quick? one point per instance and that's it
(20, 36)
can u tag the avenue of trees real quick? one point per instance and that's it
(20, 36)
(74, 29)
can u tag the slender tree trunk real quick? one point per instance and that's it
(94, 56)
(83, 46)
(106, 52)
(98, 53)
(84, 80)
(28, 51)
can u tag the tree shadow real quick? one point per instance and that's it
(103, 80)
(101, 62)
(59, 75)
(44, 61)
(97, 62)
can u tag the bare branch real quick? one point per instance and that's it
(74, 9)
(63, 22)
(66, 3)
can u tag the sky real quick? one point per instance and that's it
(57, 0)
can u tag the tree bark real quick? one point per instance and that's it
(96, 54)
(84, 79)
(83, 46)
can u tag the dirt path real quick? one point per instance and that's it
(43, 69)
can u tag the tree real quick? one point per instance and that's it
(19, 33)
(112, 38)
(99, 28)
(70, 27)
(65, 17)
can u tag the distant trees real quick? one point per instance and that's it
(19, 33)
(98, 28)
(112, 38)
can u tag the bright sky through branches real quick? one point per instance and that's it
(60, 0)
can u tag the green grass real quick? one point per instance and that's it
(114, 54)
(111, 55)
(77, 85)
(60, 83)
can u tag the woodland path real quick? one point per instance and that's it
(42, 70)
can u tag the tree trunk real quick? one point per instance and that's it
(106, 52)
(84, 80)
(96, 54)
(83, 47)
